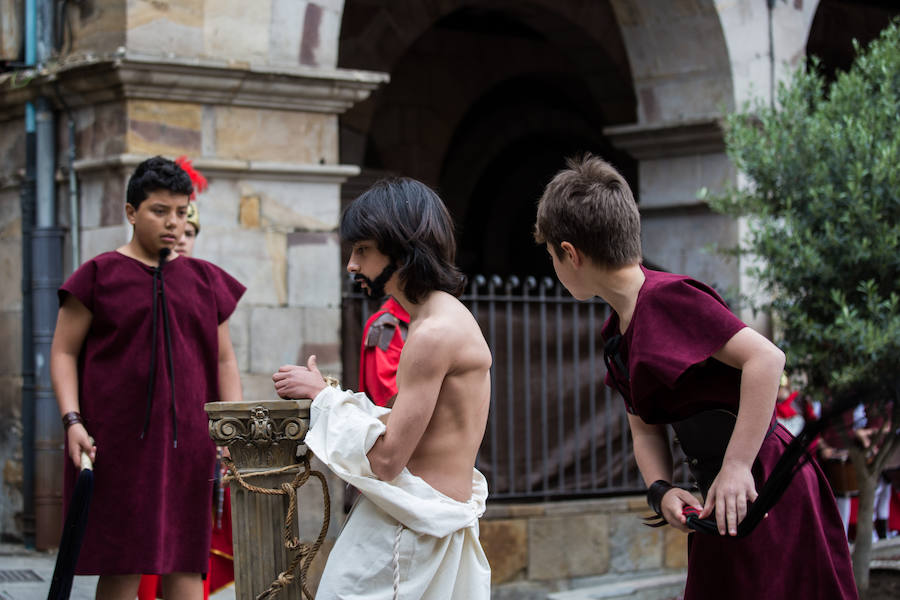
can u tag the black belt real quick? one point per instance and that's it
(704, 437)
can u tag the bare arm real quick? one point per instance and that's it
(423, 366)
(654, 459)
(761, 364)
(72, 324)
(229, 376)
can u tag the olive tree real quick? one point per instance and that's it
(822, 203)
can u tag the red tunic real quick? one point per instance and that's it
(383, 338)
(150, 511)
(800, 550)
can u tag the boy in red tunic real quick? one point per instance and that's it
(141, 344)
(676, 352)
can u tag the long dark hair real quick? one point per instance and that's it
(408, 222)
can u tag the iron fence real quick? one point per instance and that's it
(555, 430)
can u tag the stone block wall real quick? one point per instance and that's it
(273, 32)
(10, 360)
(12, 146)
(536, 549)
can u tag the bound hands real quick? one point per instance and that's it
(729, 496)
(79, 441)
(294, 381)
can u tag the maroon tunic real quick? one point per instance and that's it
(798, 551)
(150, 511)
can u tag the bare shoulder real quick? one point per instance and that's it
(449, 329)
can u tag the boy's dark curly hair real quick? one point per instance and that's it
(155, 174)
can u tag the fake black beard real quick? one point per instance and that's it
(375, 286)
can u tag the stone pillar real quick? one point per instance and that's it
(260, 436)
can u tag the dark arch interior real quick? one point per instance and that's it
(495, 206)
(499, 98)
(838, 22)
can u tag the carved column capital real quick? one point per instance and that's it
(262, 434)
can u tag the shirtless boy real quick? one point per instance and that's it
(415, 528)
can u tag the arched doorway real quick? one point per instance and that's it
(486, 101)
(838, 22)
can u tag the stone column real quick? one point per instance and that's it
(260, 436)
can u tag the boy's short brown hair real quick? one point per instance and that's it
(590, 205)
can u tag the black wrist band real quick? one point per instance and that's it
(655, 494)
(70, 418)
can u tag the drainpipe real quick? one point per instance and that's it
(27, 209)
(47, 252)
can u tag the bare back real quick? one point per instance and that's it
(445, 351)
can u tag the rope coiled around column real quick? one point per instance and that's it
(304, 553)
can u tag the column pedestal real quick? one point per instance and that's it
(260, 436)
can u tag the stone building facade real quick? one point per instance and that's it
(291, 107)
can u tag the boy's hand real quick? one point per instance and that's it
(293, 381)
(729, 495)
(673, 502)
(79, 441)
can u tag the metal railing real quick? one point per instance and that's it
(555, 430)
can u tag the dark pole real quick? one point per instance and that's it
(47, 253)
(27, 199)
(27, 207)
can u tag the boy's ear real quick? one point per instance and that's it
(130, 212)
(572, 253)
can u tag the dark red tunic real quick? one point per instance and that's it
(800, 550)
(151, 507)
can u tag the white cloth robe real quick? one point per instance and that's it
(439, 554)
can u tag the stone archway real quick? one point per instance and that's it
(473, 86)
(476, 83)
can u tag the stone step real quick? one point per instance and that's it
(658, 586)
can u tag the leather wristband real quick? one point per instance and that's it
(70, 418)
(655, 494)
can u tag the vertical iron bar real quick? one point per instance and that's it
(560, 409)
(526, 367)
(511, 283)
(576, 380)
(608, 424)
(477, 281)
(545, 434)
(493, 282)
(592, 392)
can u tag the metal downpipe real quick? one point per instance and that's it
(46, 277)
(27, 200)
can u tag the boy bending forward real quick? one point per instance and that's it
(678, 356)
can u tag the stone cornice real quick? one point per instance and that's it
(91, 80)
(233, 168)
(645, 142)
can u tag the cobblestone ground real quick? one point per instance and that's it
(884, 576)
(884, 584)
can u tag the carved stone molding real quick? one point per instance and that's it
(231, 168)
(92, 80)
(645, 142)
